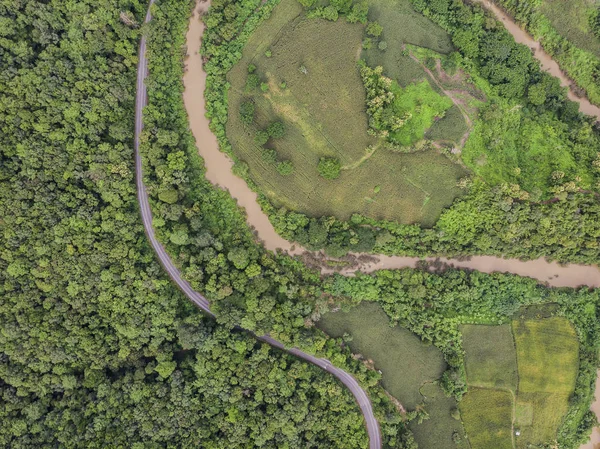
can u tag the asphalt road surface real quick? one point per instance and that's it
(141, 100)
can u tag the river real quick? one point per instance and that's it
(218, 171)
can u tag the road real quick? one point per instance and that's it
(141, 100)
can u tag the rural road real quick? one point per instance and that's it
(141, 100)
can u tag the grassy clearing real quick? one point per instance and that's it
(323, 111)
(451, 128)
(490, 356)
(547, 357)
(487, 415)
(405, 361)
(570, 19)
(441, 430)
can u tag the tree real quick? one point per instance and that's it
(276, 130)
(261, 137)
(329, 167)
(285, 168)
(374, 29)
(247, 112)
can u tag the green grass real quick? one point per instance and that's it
(437, 432)
(490, 356)
(507, 146)
(547, 358)
(424, 104)
(323, 111)
(570, 19)
(405, 361)
(487, 416)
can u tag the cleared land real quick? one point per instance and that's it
(405, 361)
(487, 415)
(322, 107)
(547, 357)
(490, 356)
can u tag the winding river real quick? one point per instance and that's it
(219, 165)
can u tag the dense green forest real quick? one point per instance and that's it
(97, 347)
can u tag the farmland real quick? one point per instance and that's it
(405, 361)
(299, 63)
(520, 377)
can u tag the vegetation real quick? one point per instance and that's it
(490, 357)
(329, 168)
(324, 119)
(547, 356)
(487, 415)
(406, 363)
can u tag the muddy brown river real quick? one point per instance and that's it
(218, 171)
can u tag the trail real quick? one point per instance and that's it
(194, 34)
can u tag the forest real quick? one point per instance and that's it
(98, 347)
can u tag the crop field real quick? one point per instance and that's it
(547, 357)
(487, 415)
(441, 430)
(490, 356)
(310, 83)
(570, 19)
(405, 361)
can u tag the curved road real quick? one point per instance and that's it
(141, 100)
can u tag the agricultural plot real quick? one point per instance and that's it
(547, 356)
(443, 429)
(490, 356)
(405, 361)
(520, 377)
(487, 415)
(309, 81)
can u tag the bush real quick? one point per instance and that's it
(382, 45)
(247, 112)
(252, 81)
(261, 137)
(276, 130)
(251, 68)
(264, 87)
(269, 155)
(329, 167)
(285, 168)
(374, 29)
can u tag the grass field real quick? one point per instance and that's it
(487, 415)
(405, 361)
(322, 108)
(547, 357)
(570, 19)
(441, 430)
(490, 356)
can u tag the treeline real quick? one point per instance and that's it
(97, 347)
(433, 305)
(580, 65)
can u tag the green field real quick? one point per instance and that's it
(441, 430)
(547, 357)
(534, 360)
(570, 19)
(487, 415)
(312, 85)
(405, 361)
(490, 356)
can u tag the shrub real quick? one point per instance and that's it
(264, 87)
(251, 68)
(374, 29)
(285, 168)
(269, 155)
(276, 130)
(247, 112)
(268, 53)
(252, 81)
(329, 167)
(382, 45)
(261, 137)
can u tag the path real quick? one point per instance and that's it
(194, 35)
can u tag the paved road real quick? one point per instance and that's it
(174, 273)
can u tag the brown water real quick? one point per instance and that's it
(218, 171)
(548, 64)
